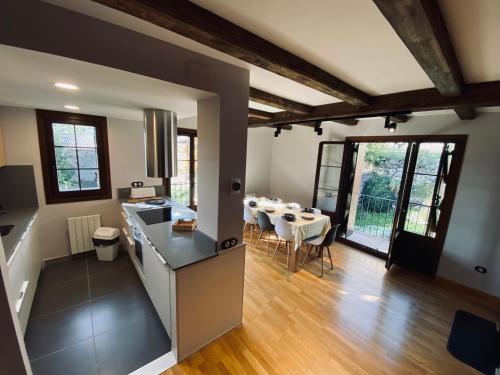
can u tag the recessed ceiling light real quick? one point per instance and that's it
(74, 107)
(66, 86)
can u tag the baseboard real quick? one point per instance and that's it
(479, 293)
(64, 258)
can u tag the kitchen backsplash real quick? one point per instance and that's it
(17, 186)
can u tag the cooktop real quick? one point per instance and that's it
(156, 215)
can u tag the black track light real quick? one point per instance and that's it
(390, 126)
(317, 128)
(277, 132)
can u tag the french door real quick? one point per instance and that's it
(428, 190)
(427, 175)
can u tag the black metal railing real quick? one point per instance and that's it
(375, 216)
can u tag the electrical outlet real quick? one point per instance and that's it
(226, 244)
(480, 269)
(235, 185)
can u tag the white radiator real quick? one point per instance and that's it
(81, 230)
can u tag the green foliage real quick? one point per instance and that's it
(384, 163)
(379, 186)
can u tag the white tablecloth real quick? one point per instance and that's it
(301, 228)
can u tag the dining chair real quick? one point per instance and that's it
(316, 211)
(265, 226)
(292, 206)
(320, 242)
(284, 232)
(250, 220)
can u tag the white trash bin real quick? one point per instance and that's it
(106, 241)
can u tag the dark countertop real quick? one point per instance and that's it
(179, 249)
(20, 218)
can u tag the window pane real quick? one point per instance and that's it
(68, 180)
(332, 155)
(429, 156)
(422, 189)
(87, 158)
(89, 179)
(85, 136)
(65, 158)
(64, 135)
(182, 147)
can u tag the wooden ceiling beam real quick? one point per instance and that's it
(257, 113)
(421, 27)
(400, 119)
(347, 121)
(275, 101)
(466, 113)
(194, 22)
(475, 95)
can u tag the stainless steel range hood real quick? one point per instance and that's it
(160, 135)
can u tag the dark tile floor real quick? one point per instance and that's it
(90, 317)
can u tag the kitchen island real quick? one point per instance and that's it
(196, 289)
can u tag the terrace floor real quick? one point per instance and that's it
(373, 242)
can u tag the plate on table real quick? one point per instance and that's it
(306, 216)
(307, 210)
(288, 217)
(269, 210)
(252, 204)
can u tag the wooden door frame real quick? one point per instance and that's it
(460, 141)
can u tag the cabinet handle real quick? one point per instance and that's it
(129, 240)
(160, 257)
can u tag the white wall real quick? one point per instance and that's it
(126, 153)
(293, 166)
(259, 156)
(473, 236)
(187, 122)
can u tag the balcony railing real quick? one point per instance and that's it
(375, 216)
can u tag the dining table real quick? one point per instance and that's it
(305, 225)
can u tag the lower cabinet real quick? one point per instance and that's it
(157, 282)
(24, 268)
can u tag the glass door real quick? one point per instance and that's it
(374, 193)
(422, 217)
(329, 169)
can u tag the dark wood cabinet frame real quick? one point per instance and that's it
(192, 134)
(45, 119)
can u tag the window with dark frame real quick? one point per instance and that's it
(184, 187)
(75, 159)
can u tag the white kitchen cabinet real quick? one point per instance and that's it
(157, 282)
(24, 268)
(128, 234)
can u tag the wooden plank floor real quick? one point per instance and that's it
(358, 319)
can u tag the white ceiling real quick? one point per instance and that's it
(350, 39)
(27, 79)
(474, 27)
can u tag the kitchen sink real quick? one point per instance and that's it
(5, 229)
